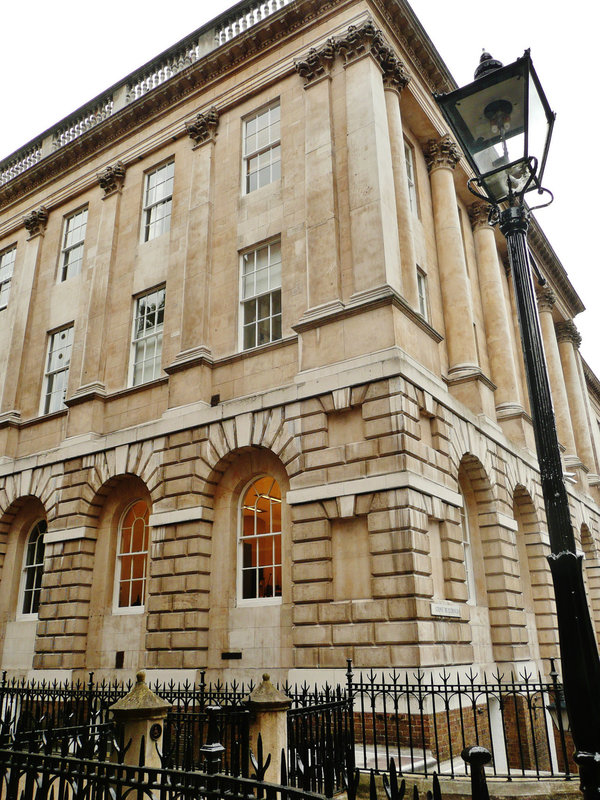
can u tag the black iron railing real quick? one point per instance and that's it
(425, 723)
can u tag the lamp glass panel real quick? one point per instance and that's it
(538, 122)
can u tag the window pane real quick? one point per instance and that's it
(261, 274)
(133, 556)
(157, 201)
(261, 554)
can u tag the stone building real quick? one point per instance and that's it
(262, 396)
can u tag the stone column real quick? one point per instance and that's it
(568, 344)
(394, 80)
(497, 327)
(195, 280)
(92, 384)
(20, 308)
(546, 302)
(371, 193)
(141, 713)
(268, 707)
(322, 235)
(442, 156)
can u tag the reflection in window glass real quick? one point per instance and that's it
(157, 201)
(7, 265)
(72, 247)
(261, 295)
(147, 336)
(57, 370)
(33, 569)
(260, 540)
(132, 559)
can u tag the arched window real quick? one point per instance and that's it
(132, 557)
(259, 555)
(467, 550)
(33, 568)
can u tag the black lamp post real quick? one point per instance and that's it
(503, 124)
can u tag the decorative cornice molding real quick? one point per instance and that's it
(546, 299)
(567, 332)
(112, 178)
(441, 153)
(35, 221)
(479, 215)
(205, 127)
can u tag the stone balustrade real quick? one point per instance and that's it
(222, 30)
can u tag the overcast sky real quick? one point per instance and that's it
(56, 56)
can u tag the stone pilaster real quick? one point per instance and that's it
(564, 428)
(195, 270)
(568, 345)
(20, 306)
(91, 385)
(442, 156)
(497, 325)
(371, 193)
(322, 235)
(394, 80)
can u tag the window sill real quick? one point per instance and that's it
(259, 602)
(128, 611)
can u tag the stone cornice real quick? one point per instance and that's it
(591, 380)
(441, 153)
(552, 267)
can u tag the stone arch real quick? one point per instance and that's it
(535, 576)
(591, 574)
(18, 635)
(267, 429)
(40, 483)
(258, 629)
(497, 607)
(110, 629)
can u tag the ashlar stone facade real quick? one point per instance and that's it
(262, 399)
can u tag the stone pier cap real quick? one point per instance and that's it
(141, 702)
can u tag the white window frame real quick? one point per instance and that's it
(71, 254)
(137, 341)
(124, 610)
(267, 153)
(50, 373)
(423, 293)
(256, 601)
(7, 269)
(36, 568)
(409, 157)
(152, 225)
(467, 544)
(261, 290)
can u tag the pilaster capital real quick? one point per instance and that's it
(111, 179)
(368, 39)
(567, 332)
(35, 221)
(546, 298)
(479, 215)
(317, 63)
(204, 128)
(441, 153)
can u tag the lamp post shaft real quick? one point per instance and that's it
(579, 653)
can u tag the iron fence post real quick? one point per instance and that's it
(477, 757)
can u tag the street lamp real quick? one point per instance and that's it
(503, 124)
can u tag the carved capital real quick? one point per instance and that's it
(441, 153)
(359, 41)
(546, 298)
(111, 179)
(567, 332)
(479, 215)
(35, 221)
(394, 75)
(317, 63)
(204, 128)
